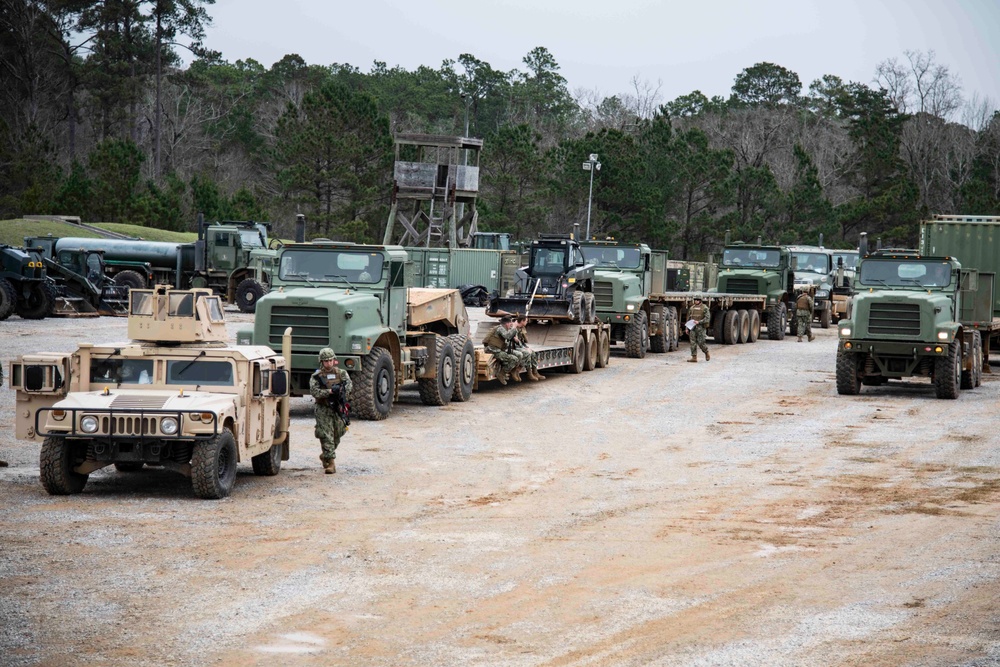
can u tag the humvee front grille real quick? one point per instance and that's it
(604, 295)
(131, 425)
(310, 326)
(741, 286)
(898, 319)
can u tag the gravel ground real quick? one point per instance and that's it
(736, 512)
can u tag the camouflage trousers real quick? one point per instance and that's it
(803, 323)
(697, 337)
(527, 358)
(329, 430)
(508, 360)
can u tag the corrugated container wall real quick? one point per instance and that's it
(445, 267)
(973, 240)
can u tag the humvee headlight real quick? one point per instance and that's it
(88, 424)
(59, 415)
(630, 307)
(943, 335)
(201, 416)
(845, 332)
(168, 425)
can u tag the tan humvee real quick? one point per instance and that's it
(177, 396)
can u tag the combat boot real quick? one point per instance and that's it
(810, 338)
(799, 340)
(538, 376)
(330, 467)
(708, 356)
(693, 359)
(502, 377)
(515, 375)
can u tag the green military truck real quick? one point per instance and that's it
(915, 315)
(359, 301)
(765, 270)
(812, 267)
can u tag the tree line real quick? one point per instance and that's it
(98, 118)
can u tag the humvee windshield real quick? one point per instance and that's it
(905, 273)
(331, 266)
(756, 257)
(200, 372)
(121, 371)
(625, 258)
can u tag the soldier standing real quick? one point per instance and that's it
(804, 315)
(325, 387)
(698, 313)
(499, 343)
(529, 358)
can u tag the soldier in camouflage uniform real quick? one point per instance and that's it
(699, 313)
(499, 344)
(330, 427)
(529, 358)
(804, 315)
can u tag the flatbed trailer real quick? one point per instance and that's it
(573, 347)
(734, 318)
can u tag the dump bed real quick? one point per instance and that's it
(426, 305)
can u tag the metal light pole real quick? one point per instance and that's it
(591, 165)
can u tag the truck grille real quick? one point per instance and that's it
(128, 425)
(310, 326)
(604, 295)
(899, 319)
(741, 286)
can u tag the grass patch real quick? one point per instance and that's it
(12, 232)
(148, 233)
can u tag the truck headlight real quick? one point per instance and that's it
(88, 424)
(168, 425)
(630, 307)
(845, 332)
(943, 335)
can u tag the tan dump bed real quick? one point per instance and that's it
(427, 304)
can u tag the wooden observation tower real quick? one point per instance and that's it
(435, 186)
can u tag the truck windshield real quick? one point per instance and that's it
(121, 371)
(251, 238)
(624, 258)
(850, 260)
(187, 371)
(811, 262)
(331, 266)
(905, 273)
(756, 257)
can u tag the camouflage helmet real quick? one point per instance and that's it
(326, 354)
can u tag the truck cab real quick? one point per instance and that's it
(812, 267)
(914, 316)
(760, 269)
(176, 396)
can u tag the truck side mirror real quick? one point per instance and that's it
(279, 382)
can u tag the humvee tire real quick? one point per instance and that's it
(213, 466)
(55, 467)
(438, 389)
(268, 463)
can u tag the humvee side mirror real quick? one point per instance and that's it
(279, 382)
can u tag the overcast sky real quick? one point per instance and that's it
(603, 46)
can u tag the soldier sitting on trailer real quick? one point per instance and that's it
(529, 358)
(497, 343)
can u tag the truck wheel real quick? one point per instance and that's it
(40, 302)
(129, 466)
(718, 328)
(948, 372)
(578, 308)
(374, 386)
(674, 329)
(637, 336)
(465, 367)
(213, 466)
(743, 326)
(731, 327)
(590, 358)
(267, 463)
(438, 390)
(579, 351)
(777, 322)
(661, 341)
(848, 382)
(603, 349)
(969, 376)
(130, 279)
(979, 360)
(248, 293)
(55, 467)
(754, 332)
(8, 297)
(825, 319)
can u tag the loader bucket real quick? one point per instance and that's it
(542, 308)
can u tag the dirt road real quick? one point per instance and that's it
(736, 512)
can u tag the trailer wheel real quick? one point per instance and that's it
(969, 376)
(248, 293)
(55, 467)
(40, 302)
(213, 466)
(754, 333)
(661, 341)
(130, 279)
(777, 322)
(743, 326)
(268, 463)
(590, 358)
(579, 354)
(603, 349)
(637, 336)
(438, 389)
(374, 385)
(465, 367)
(848, 381)
(948, 372)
